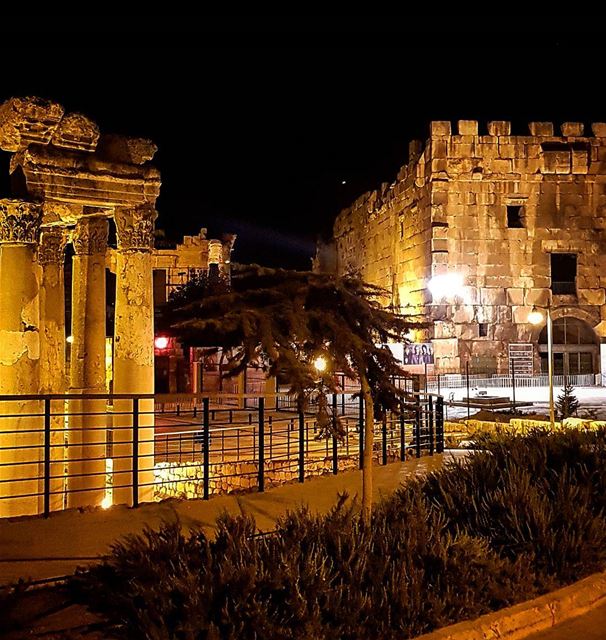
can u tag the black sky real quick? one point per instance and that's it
(259, 119)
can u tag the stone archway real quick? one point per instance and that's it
(576, 347)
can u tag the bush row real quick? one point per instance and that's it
(523, 516)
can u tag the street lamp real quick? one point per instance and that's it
(320, 364)
(536, 317)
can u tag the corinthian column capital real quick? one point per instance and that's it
(52, 245)
(19, 221)
(89, 236)
(135, 227)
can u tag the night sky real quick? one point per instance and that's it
(259, 120)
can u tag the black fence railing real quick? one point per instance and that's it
(67, 451)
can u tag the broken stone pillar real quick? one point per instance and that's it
(51, 258)
(134, 351)
(87, 432)
(20, 484)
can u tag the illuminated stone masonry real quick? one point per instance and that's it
(521, 217)
(71, 183)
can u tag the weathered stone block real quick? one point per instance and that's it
(556, 162)
(580, 161)
(468, 127)
(440, 128)
(539, 297)
(541, 128)
(27, 120)
(463, 314)
(599, 129)
(468, 331)
(444, 329)
(572, 129)
(77, 132)
(515, 297)
(591, 296)
(499, 128)
(500, 166)
(492, 296)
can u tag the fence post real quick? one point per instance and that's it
(384, 438)
(402, 436)
(468, 399)
(418, 426)
(342, 394)
(47, 455)
(271, 437)
(440, 424)
(206, 445)
(301, 446)
(261, 444)
(335, 457)
(361, 430)
(513, 382)
(430, 424)
(135, 452)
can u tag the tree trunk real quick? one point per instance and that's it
(369, 420)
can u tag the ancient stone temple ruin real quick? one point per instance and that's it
(73, 185)
(521, 219)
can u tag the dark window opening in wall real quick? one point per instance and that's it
(401, 229)
(563, 273)
(515, 216)
(483, 329)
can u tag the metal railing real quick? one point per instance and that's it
(67, 451)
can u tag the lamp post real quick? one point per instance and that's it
(536, 317)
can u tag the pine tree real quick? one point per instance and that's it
(280, 321)
(567, 403)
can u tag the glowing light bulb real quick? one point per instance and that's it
(69, 339)
(320, 364)
(161, 342)
(536, 316)
(106, 503)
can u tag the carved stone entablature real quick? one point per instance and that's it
(52, 245)
(135, 227)
(19, 221)
(27, 120)
(89, 236)
(77, 132)
(83, 179)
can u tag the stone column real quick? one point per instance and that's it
(51, 258)
(215, 249)
(134, 349)
(87, 433)
(19, 359)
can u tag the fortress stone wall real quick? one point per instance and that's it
(492, 207)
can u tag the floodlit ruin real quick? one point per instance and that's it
(73, 185)
(517, 220)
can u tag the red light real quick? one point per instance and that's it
(161, 342)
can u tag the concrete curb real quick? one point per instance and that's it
(526, 618)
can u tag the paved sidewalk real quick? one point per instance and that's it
(36, 548)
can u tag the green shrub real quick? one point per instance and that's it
(524, 516)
